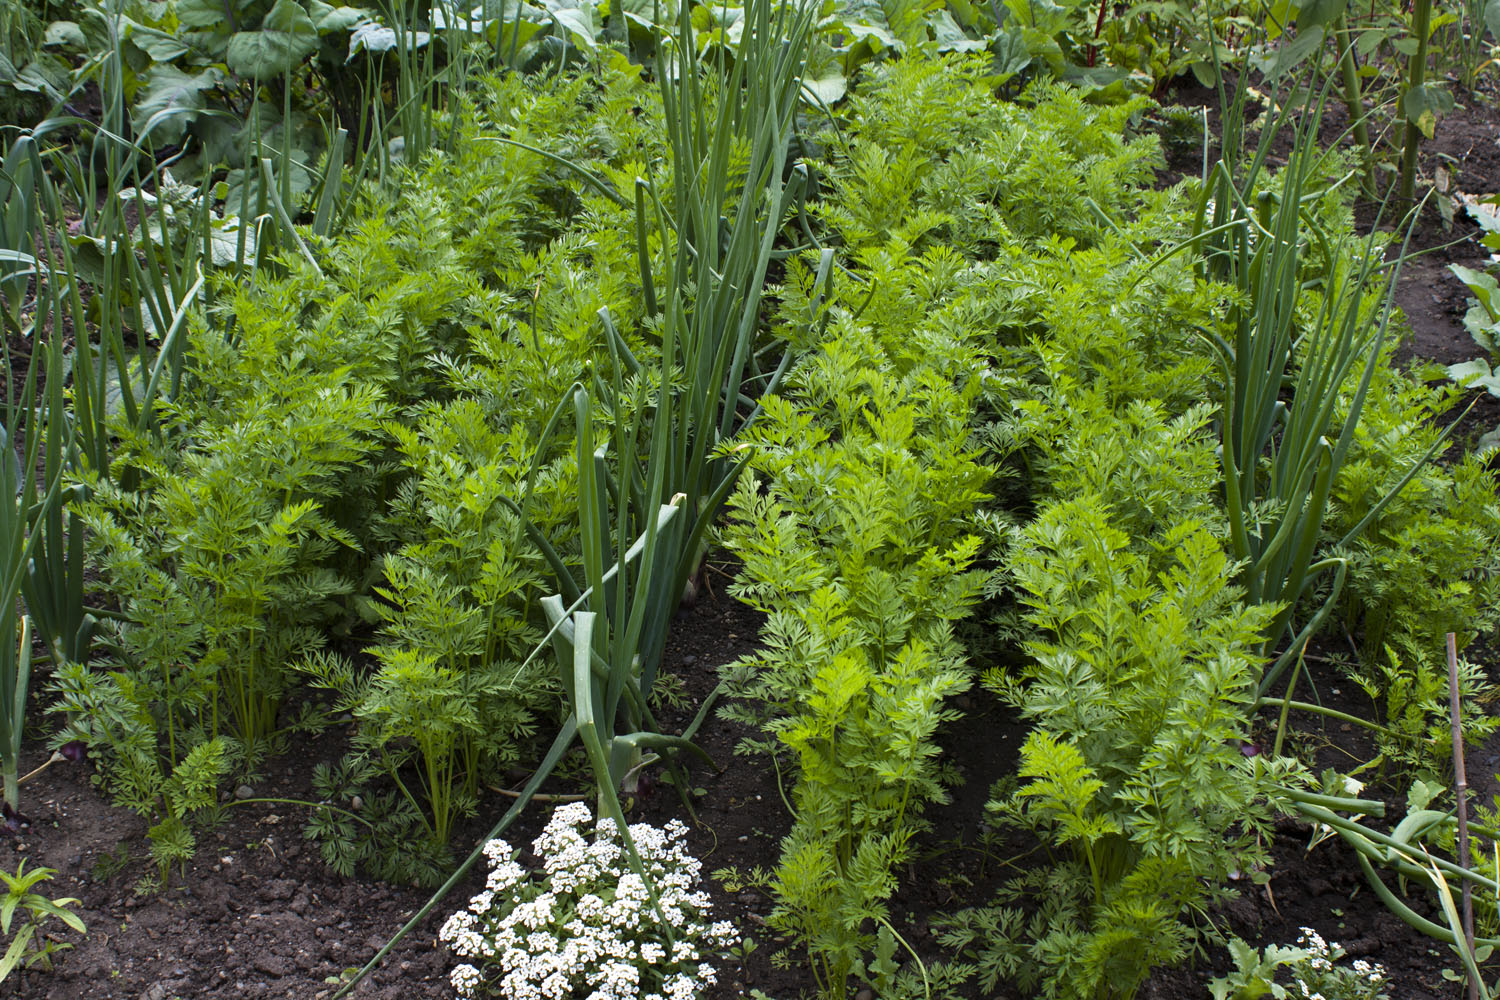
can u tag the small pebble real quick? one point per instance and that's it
(244, 792)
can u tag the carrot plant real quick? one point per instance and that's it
(1139, 681)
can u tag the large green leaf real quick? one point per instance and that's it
(1421, 106)
(331, 19)
(1318, 13)
(1475, 374)
(161, 46)
(1044, 15)
(1484, 287)
(950, 37)
(286, 37)
(175, 97)
(371, 36)
(66, 34)
(224, 241)
(44, 74)
(829, 88)
(1011, 54)
(579, 19)
(220, 14)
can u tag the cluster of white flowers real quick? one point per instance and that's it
(1319, 978)
(586, 927)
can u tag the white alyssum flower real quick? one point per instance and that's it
(465, 980)
(585, 924)
(1318, 975)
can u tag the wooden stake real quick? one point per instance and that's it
(1462, 786)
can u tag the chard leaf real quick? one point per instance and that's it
(371, 36)
(286, 37)
(577, 20)
(168, 90)
(66, 34)
(1475, 374)
(330, 19)
(204, 13)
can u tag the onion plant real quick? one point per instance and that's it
(598, 640)
(19, 221)
(673, 421)
(52, 585)
(23, 501)
(1295, 379)
(730, 128)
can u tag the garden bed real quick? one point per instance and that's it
(258, 915)
(255, 912)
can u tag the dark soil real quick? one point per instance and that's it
(257, 913)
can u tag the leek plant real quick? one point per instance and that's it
(667, 483)
(1281, 453)
(29, 437)
(598, 640)
(19, 220)
(126, 286)
(23, 500)
(623, 596)
(52, 585)
(729, 126)
(1403, 850)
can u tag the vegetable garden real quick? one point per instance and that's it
(843, 499)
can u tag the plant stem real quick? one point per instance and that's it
(539, 796)
(1354, 100)
(1286, 705)
(1332, 713)
(56, 756)
(303, 802)
(1461, 787)
(1416, 77)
